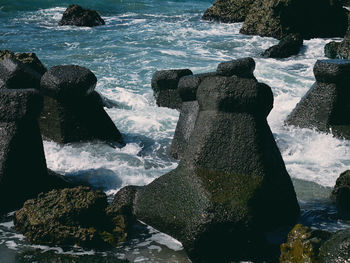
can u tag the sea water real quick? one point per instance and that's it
(140, 37)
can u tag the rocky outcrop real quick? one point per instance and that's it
(288, 46)
(278, 18)
(341, 194)
(228, 11)
(72, 109)
(29, 59)
(331, 49)
(164, 85)
(339, 49)
(75, 216)
(303, 245)
(337, 248)
(326, 105)
(23, 171)
(231, 185)
(75, 15)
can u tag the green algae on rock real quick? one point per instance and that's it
(303, 245)
(75, 216)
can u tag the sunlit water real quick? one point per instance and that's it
(139, 38)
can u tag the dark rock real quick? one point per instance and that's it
(16, 75)
(29, 59)
(58, 181)
(312, 19)
(72, 110)
(228, 11)
(39, 256)
(164, 85)
(231, 185)
(243, 68)
(288, 46)
(75, 15)
(74, 216)
(339, 49)
(187, 89)
(303, 245)
(337, 248)
(331, 49)
(326, 105)
(23, 171)
(123, 204)
(341, 194)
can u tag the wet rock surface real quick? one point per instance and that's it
(303, 245)
(331, 49)
(73, 111)
(75, 15)
(341, 194)
(228, 11)
(288, 46)
(278, 18)
(52, 257)
(337, 248)
(72, 216)
(164, 85)
(326, 105)
(231, 184)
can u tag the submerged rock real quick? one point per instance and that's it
(75, 216)
(72, 110)
(228, 11)
(303, 245)
(288, 46)
(312, 19)
(75, 15)
(231, 185)
(326, 105)
(164, 85)
(341, 194)
(23, 171)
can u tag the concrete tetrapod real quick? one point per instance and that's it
(73, 111)
(231, 185)
(326, 105)
(23, 171)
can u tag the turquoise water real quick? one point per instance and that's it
(139, 38)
